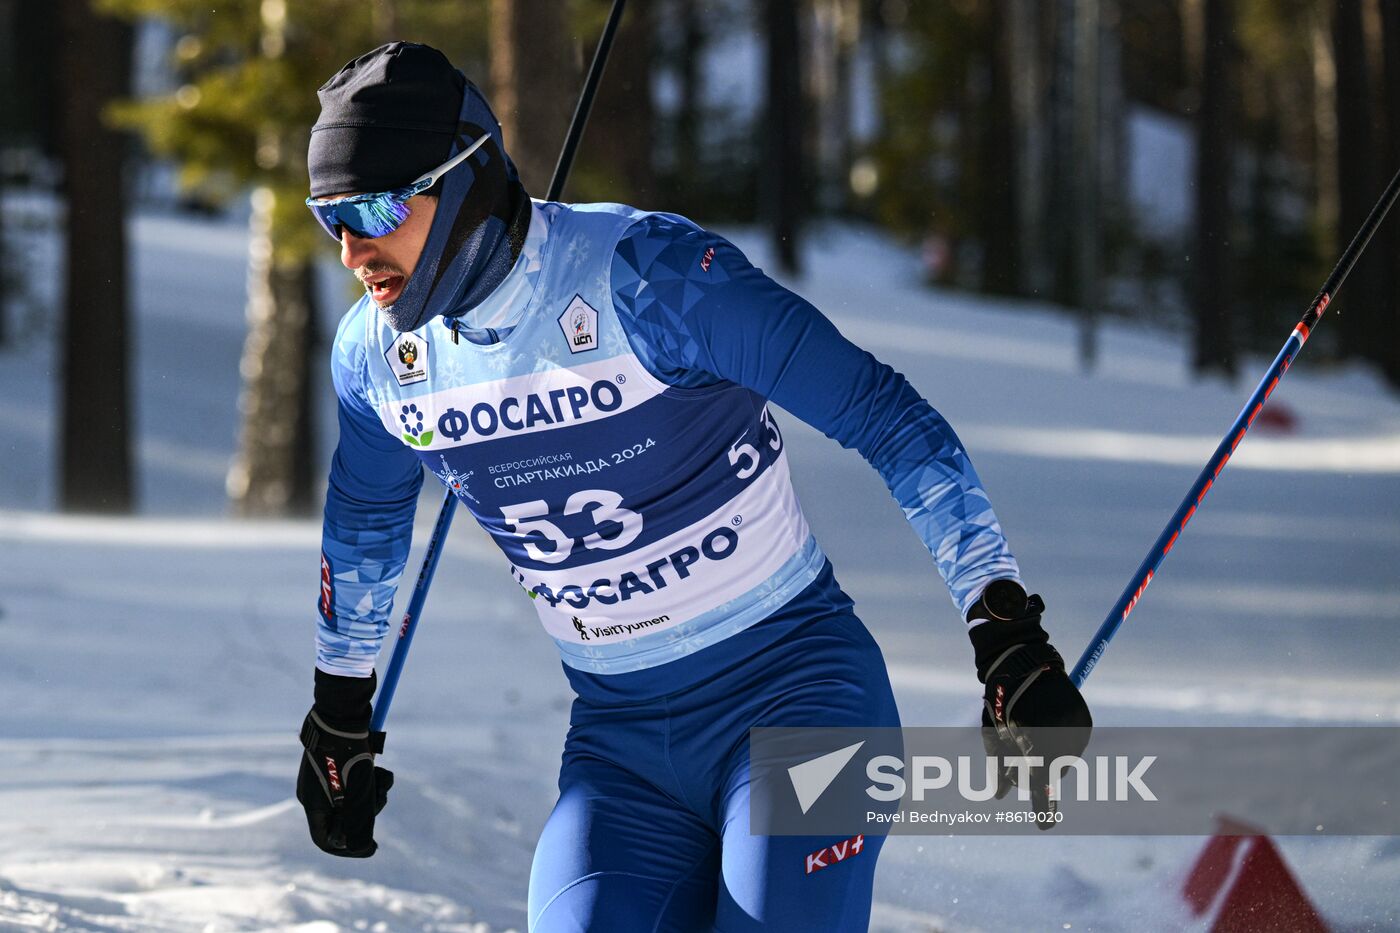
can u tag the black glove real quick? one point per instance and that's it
(1030, 707)
(339, 785)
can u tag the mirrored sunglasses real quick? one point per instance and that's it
(374, 215)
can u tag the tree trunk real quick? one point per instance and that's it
(618, 156)
(835, 32)
(4, 250)
(1389, 235)
(9, 88)
(1356, 308)
(783, 165)
(1028, 121)
(272, 473)
(34, 110)
(1213, 299)
(1061, 201)
(1114, 156)
(95, 438)
(686, 55)
(1087, 60)
(1324, 123)
(996, 216)
(843, 105)
(534, 84)
(882, 37)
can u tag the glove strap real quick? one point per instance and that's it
(314, 728)
(1023, 660)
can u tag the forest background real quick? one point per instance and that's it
(1194, 164)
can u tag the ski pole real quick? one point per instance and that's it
(410, 616)
(1184, 512)
(449, 502)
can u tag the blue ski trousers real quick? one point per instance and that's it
(651, 830)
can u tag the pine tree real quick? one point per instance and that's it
(241, 123)
(533, 84)
(1389, 259)
(1214, 296)
(784, 159)
(615, 159)
(1356, 176)
(95, 438)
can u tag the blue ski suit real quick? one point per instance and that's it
(605, 416)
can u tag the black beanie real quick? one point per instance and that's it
(386, 118)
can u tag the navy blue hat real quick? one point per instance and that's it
(386, 118)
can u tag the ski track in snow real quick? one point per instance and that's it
(153, 672)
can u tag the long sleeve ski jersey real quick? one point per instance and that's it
(691, 328)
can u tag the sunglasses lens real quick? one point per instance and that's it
(375, 217)
(366, 219)
(326, 217)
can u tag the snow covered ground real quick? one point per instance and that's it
(153, 671)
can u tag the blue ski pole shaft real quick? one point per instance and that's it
(414, 611)
(1128, 600)
(449, 502)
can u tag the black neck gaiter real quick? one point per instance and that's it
(482, 217)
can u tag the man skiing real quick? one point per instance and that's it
(594, 383)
